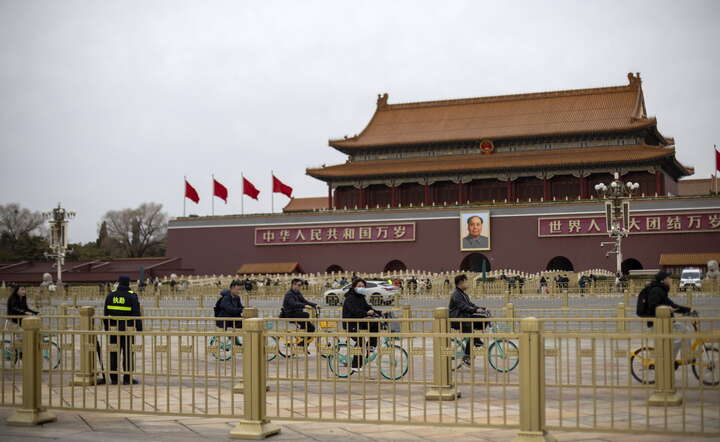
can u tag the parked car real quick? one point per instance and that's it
(691, 278)
(381, 293)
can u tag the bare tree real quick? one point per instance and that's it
(137, 231)
(17, 222)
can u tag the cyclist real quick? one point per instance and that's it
(356, 306)
(229, 305)
(17, 304)
(461, 307)
(658, 296)
(294, 304)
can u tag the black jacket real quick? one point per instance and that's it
(293, 304)
(17, 306)
(229, 306)
(659, 296)
(460, 305)
(356, 306)
(122, 302)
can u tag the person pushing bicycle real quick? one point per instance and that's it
(294, 304)
(461, 307)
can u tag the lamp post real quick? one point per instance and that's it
(617, 214)
(58, 223)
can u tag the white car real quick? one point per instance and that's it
(691, 279)
(380, 293)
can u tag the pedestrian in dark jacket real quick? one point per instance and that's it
(17, 304)
(658, 296)
(659, 289)
(356, 306)
(294, 304)
(122, 302)
(461, 307)
(229, 305)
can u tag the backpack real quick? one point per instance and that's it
(642, 303)
(216, 309)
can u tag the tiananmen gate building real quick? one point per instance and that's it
(444, 185)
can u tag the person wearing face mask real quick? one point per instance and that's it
(356, 306)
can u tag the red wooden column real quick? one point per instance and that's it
(426, 189)
(393, 196)
(659, 182)
(460, 192)
(584, 188)
(330, 197)
(509, 194)
(362, 197)
(546, 189)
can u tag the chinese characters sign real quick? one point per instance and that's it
(686, 222)
(335, 234)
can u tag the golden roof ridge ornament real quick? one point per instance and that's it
(634, 80)
(382, 100)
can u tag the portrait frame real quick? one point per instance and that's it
(486, 229)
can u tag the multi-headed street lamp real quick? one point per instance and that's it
(617, 214)
(58, 223)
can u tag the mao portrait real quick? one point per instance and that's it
(474, 231)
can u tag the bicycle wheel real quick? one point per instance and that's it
(339, 360)
(10, 356)
(642, 365)
(503, 355)
(220, 347)
(393, 362)
(272, 348)
(459, 346)
(706, 367)
(51, 355)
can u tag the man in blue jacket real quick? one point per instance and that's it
(294, 307)
(229, 305)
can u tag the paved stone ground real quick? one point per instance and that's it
(88, 426)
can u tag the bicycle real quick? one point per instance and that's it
(49, 349)
(393, 359)
(502, 354)
(289, 345)
(704, 361)
(222, 347)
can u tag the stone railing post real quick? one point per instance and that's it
(510, 314)
(532, 383)
(255, 424)
(31, 412)
(406, 326)
(87, 373)
(665, 394)
(621, 327)
(442, 388)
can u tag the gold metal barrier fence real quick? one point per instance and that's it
(524, 374)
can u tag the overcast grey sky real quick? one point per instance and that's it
(108, 104)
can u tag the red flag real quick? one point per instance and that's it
(219, 190)
(191, 193)
(717, 160)
(280, 187)
(249, 189)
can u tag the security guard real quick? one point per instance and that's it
(122, 302)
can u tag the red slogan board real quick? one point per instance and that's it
(335, 234)
(683, 222)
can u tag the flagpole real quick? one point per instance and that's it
(242, 197)
(212, 196)
(184, 196)
(272, 193)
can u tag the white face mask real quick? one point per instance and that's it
(361, 290)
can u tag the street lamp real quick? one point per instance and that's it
(58, 223)
(617, 214)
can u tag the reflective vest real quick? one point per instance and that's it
(120, 303)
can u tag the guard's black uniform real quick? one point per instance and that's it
(122, 302)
